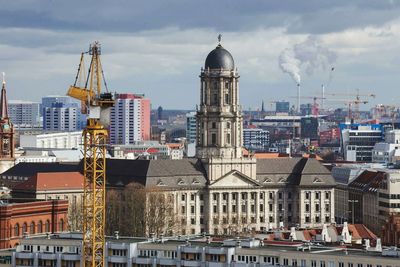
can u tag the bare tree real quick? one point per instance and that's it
(137, 211)
(159, 213)
(75, 214)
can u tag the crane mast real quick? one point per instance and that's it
(97, 105)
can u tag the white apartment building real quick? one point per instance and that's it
(24, 114)
(130, 119)
(60, 118)
(64, 250)
(63, 140)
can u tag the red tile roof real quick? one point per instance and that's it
(360, 231)
(52, 181)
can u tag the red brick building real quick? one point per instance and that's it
(17, 219)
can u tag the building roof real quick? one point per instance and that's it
(219, 58)
(184, 173)
(293, 171)
(52, 181)
(368, 180)
(360, 231)
(29, 169)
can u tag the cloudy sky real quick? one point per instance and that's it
(158, 47)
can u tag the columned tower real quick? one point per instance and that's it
(6, 128)
(219, 117)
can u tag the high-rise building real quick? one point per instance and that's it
(61, 105)
(309, 128)
(282, 107)
(60, 118)
(191, 127)
(256, 139)
(24, 114)
(130, 119)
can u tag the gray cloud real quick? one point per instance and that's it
(158, 47)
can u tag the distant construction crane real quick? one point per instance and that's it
(98, 106)
(353, 113)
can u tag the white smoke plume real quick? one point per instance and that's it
(308, 55)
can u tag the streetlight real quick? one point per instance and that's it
(352, 212)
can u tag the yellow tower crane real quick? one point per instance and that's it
(97, 106)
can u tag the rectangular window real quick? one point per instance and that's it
(213, 139)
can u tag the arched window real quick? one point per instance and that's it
(47, 226)
(24, 228)
(32, 228)
(61, 225)
(16, 230)
(40, 227)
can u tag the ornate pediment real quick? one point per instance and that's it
(267, 180)
(317, 180)
(282, 180)
(235, 179)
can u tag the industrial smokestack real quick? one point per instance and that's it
(323, 97)
(298, 98)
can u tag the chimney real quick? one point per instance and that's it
(162, 238)
(378, 245)
(153, 237)
(238, 242)
(116, 234)
(292, 233)
(208, 239)
(367, 244)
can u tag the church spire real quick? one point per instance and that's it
(3, 100)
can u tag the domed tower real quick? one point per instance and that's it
(219, 117)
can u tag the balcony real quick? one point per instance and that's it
(117, 259)
(70, 257)
(24, 255)
(218, 251)
(165, 261)
(194, 263)
(140, 260)
(216, 264)
(192, 250)
(47, 256)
